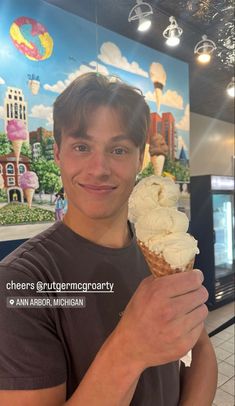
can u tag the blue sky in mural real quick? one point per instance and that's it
(80, 46)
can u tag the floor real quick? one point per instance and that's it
(223, 343)
(17, 232)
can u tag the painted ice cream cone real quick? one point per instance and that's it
(158, 164)
(158, 94)
(29, 192)
(1, 182)
(17, 148)
(29, 182)
(17, 134)
(158, 150)
(158, 77)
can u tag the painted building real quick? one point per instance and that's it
(42, 142)
(169, 133)
(36, 150)
(11, 173)
(15, 107)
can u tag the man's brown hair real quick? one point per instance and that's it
(86, 93)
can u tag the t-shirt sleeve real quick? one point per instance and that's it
(31, 353)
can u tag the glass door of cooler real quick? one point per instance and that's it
(223, 218)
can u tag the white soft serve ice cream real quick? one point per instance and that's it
(158, 223)
(150, 193)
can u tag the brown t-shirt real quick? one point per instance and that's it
(44, 347)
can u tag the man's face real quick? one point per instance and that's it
(98, 168)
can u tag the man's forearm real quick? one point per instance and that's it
(110, 381)
(199, 381)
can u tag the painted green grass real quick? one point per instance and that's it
(16, 213)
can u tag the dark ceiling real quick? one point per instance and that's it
(215, 18)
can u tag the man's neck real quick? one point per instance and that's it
(113, 233)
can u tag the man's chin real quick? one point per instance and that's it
(98, 215)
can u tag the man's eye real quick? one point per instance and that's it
(81, 148)
(119, 151)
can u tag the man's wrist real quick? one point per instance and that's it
(118, 350)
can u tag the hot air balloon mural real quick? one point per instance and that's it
(31, 38)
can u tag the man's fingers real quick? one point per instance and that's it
(181, 283)
(186, 303)
(190, 321)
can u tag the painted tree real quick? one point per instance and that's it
(5, 145)
(48, 175)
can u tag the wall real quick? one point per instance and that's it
(211, 146)
(50, 48)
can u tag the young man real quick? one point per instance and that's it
(123, 347)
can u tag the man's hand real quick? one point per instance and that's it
(164, 319)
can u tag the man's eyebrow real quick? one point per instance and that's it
(79, 134)
(120, 137)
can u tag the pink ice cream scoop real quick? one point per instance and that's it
(29, 180)
(16, 130)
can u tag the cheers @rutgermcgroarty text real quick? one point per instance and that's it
(65, 287)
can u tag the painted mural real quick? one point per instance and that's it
(42, 49)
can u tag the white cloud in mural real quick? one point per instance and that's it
(150, 96)
(171, 98)
(111, 54)
(183, 124)
(59, 86)
(2, 112)
(2, 81)
(181, 143)
(42, 112)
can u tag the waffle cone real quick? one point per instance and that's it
(158, 97)
(157, 264)
(29, 192)
(17, 148)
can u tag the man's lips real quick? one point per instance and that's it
(97, 188)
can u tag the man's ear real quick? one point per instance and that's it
(56, 154)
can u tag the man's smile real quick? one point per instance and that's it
(97, 189)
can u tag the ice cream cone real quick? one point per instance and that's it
(157, 264)
(158, 77)
(29, 192)
(158, 164)
(1, 182)
(158, 97)
(146, 159)
(17, 148)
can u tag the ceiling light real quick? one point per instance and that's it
(141, 12)
(172, 33)
(204, 49)
(231, 88)
(144, 24)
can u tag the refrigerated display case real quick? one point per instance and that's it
(212, 224)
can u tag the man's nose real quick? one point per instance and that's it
(99, 165)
